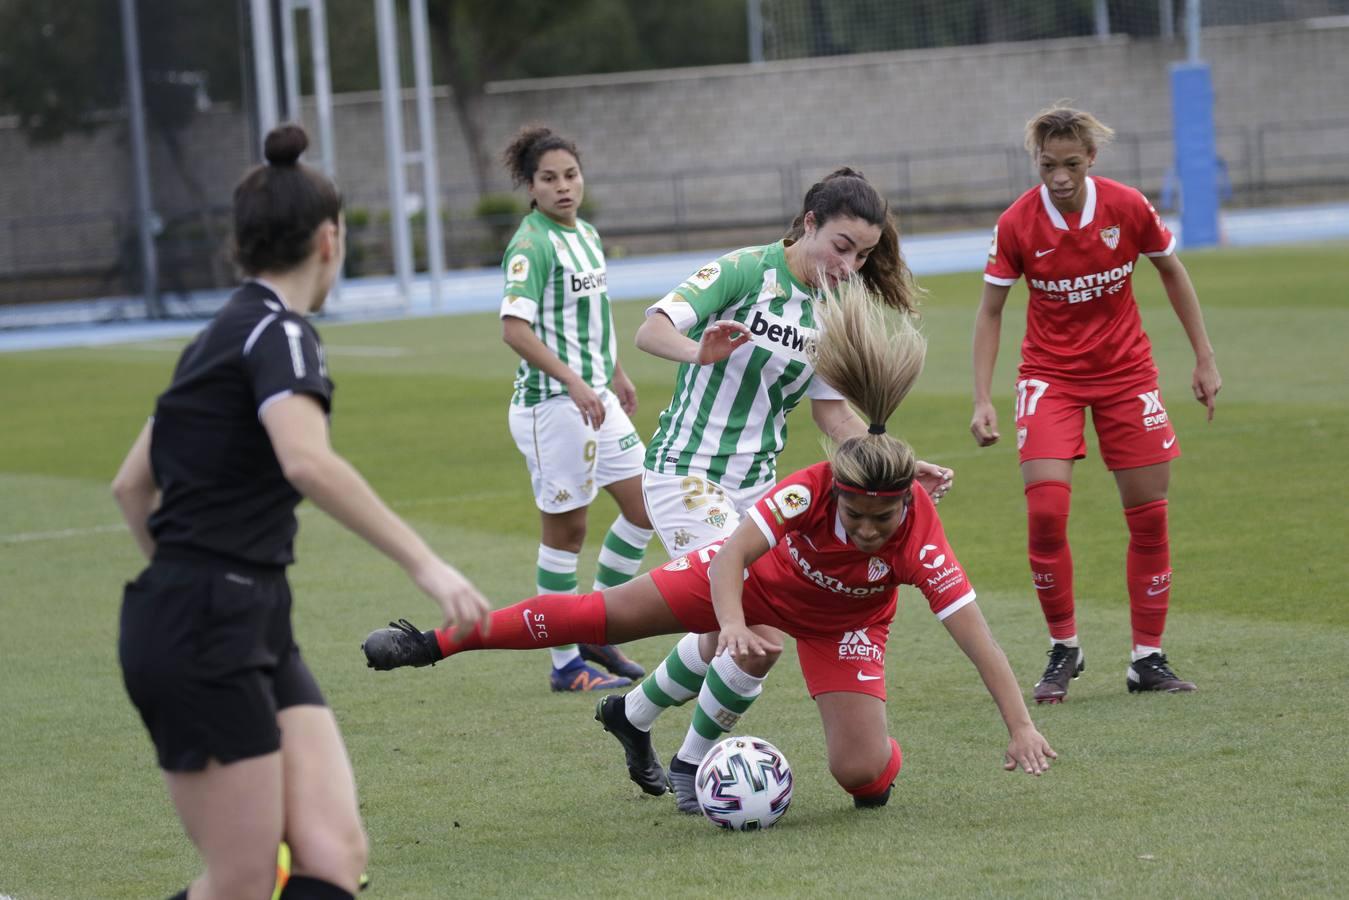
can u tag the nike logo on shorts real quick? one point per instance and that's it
(1043, 587)
(1166, 445)
(864, 677)
(1153, 592)
(1040, 253)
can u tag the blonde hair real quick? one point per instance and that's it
(873, 364)
(1065, 122)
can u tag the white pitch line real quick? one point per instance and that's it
(28, 537)
(25, 537)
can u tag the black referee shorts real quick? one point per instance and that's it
(208, 658)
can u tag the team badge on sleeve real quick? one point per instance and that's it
(937, 558)
(703, 278)
(1110, 236)
(993, 247)
(518, 268)
(790, 501)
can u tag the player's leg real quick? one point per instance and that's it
(845, 674)
(233, 814)
(863, 758)
(1049, 426)
(731, 684)
(1138, 444)
(560, 451)
(625, 543)
(323, 822)
(625, 613)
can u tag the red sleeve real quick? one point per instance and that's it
(930, 564)
(792, 502)
(1004, 253)
(1154, 238)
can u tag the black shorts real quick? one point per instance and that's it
(208, 658)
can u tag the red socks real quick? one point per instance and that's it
(1148, 572)
(1051, 561)
(549, 620)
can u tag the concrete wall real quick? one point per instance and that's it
(934, 128)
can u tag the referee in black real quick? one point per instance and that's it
(250, 751)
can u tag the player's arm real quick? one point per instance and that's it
(1206, 381)
(659, 337)
(727, 576)
(135, 492)
(298, 430)
(624, 389)
(1027, 748)
(987, 333)
(838, 420)
(519, 335)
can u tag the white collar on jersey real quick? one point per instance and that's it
(280, 296)
(1088, 208)
(843, 535)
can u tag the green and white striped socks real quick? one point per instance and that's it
(621, 555)
(675, 682)
(556, 574)
(725, 695)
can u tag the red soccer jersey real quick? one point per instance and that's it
(814, 578)
(1082, 321)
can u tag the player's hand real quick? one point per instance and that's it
(742, 643)
(1028, 751)
(720, 340)
(588, 402)
(984, 425)
(936, 480)
(460, 602)
(625, 391)
(1206, 384)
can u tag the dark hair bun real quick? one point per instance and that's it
(284, 144)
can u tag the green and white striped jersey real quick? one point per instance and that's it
(556, 280)
(728, 422)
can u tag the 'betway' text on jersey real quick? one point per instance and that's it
(557, 281)
(727, 421)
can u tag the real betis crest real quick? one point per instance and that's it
(1110, 236)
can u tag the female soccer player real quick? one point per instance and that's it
(572, 429)
(1076, 239)
(820, 557)
(741, 327)
(251, 754)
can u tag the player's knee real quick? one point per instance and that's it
(868, 769)
(336, 853)
(756, 665)
(854, 769)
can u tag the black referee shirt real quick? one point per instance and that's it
(223, 491)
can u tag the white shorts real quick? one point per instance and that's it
(688, 511)
(568, 460)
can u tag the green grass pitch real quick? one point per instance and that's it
(476, 781)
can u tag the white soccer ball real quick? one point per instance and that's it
(744, 784)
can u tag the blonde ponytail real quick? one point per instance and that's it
(873, 364)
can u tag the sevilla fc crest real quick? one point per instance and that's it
(1110, 236)
(877, 569)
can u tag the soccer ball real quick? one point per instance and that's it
(744, 784)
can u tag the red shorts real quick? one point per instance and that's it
(850, 660)
(1131, 422)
